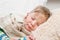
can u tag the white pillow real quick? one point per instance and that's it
(49, 29)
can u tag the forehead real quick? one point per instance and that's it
(36, 13)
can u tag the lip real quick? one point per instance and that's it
(28, 27)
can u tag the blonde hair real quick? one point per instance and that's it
(44, 11)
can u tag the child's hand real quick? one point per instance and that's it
(31, 37)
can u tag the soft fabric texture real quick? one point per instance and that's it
(49, 30)
(3, 36)
(15, 29)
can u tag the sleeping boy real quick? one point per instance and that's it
(23, 29)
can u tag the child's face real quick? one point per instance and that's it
(33, 20)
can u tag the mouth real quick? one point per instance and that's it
(30, 27)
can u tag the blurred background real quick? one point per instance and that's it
(53, 4)
(21, 7)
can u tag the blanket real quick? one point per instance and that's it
(3, 36)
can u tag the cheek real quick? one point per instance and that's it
(34, 25)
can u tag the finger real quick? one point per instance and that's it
(31, 37)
